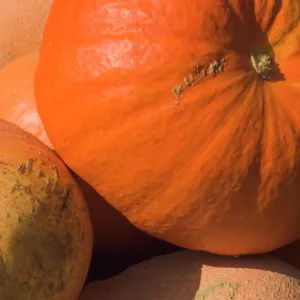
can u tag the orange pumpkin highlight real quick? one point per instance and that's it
(46, 232)
(184, 115)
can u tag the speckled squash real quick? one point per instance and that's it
(21, 27)
(191, 275)
(184, 115)
(46, 232)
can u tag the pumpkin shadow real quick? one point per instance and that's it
(39, 257)
(289, 253)
(118, 244)
(257, 36)
(264, 41)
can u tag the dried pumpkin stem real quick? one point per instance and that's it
(262, 64)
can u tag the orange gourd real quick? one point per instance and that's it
(17, 103)
(46, 232)
(184, 115)
(188, 275)
(21, 27)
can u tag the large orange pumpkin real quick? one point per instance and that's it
(113, 232)
(17, 104)
(46, 232)
(21, 27)
(184, 115)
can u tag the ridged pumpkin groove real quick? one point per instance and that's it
(208, 164)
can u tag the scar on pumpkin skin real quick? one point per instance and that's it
(56, 178)
(262, 64)
(198, 73)
(177, 90)
(29, 164)
(20, 187)
(66, 198)
(40, 173)
(21, 168)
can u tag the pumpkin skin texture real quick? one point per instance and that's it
(200, 276)
(113, 232)
(17, 103)
(169, 115)
(21, 27)
(46, 233)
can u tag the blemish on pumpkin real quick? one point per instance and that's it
(187, 82)
(29, 165)
(54, 168)
(199, 73)
(197, 69)
(66, 198)
(20, 187)
(178, 90)
(262, 64)
(40, 173)
(21, 168)
(216, 67)
(56, 178)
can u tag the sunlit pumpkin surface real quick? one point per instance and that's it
(184, 115)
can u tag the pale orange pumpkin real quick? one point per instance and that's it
(17, 104)
(184, 115)
(21, 27)
(191, 275)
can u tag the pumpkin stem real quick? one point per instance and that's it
(262, 64)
